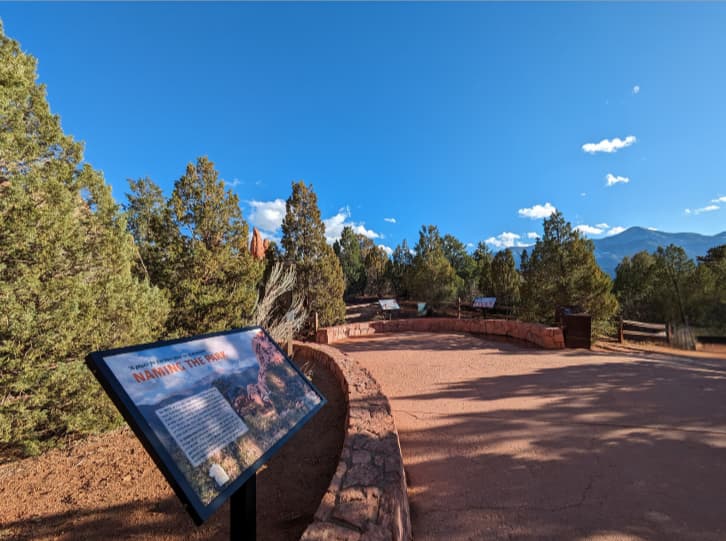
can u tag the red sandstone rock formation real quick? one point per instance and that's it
(258, 246)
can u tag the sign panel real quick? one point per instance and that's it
(389, 304)
(210, 410)
(484, 302)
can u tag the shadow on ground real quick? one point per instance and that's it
(597, 446)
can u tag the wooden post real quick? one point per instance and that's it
(620, 334)
(317, 324)
(458, 308)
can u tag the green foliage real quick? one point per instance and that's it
(432, 279)
(562, 271)
(667, 286)
(398, 269)
(634, 287)
(195, 247)
(348, 250)
(66, 280)
(483, 259)
(320, 281)
(464, 265)
(505, 278)
(377, 282)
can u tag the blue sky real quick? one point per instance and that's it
(473, 117)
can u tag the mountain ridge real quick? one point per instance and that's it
(610, 251)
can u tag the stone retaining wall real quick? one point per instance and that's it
(366, 499)
(540, 335)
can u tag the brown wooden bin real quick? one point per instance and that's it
(576, 326)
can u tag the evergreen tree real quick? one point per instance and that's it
(348, 250)
(505, 278)
(634, 287)
(675, 284)
(483, 260)
(433, 279)
(562, 271)
(320, 281)
(464, 265)
(399, 268)
(195, 246)
(66, 280)
(375, 267)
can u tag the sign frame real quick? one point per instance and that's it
(158, 452)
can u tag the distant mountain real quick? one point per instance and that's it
(611, 250)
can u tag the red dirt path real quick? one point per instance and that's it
(503, 441)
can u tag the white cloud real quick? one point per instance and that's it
(335, 224)
(469, 244)
(602, 226)
(234, 182)
(613, 179)
(537, 211)
(612, 145)
(636, 89)
(386, 249)
(506, 240)
(651, 229)
(589, 230)
(707, 208)
(721, 199)
(532, 235)
(267, 215)
(615, 230)
(390, 220)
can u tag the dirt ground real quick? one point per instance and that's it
(107, 487)
(505, 441)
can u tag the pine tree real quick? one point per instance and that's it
(483, 258)
(320, 279)
(433, 279)
(464, 265)
(398, 269)
(562, 271)
(195, 247)
(348, 250)
(505, 278)
(66, 280)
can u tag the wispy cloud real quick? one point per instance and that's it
(583, 194)
(506, 240)
(390, 220)
(614, 231)
(721, 199)
(707, 208)
(609, 145)
(234, 182)
(335, 224)
(589, 230)
(386, 249)
(532, 235)
(537, 211)
(267, 216)
(612, 180)
(602, 226)
(636, 89)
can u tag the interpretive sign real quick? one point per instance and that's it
(210, 409)
(484, 302)
(389, 304)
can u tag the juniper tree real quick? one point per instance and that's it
(432, 277)
(195, 247)
(348, 250)
(561, 270)
(66, 281)
(319, 277)
(505, 278)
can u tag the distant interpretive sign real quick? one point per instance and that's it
(210, 410)
(484, 302)
(389, 304)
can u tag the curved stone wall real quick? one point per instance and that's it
(540, 335)
(366, 499)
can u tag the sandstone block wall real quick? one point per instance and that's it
(540, 335)
(366, 499)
